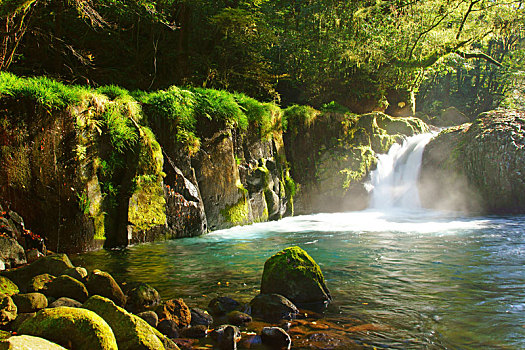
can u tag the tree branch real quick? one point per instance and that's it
(481, 55)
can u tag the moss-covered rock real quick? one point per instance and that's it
(52, 264)
(66, 286)
(71, 327)
(39, 282)
(78, 273)
(8, 310)
(103, 284)
(30, 302)
(142, 297)
(25, 342)
(295, 275)
(131, 331)
(7, 287)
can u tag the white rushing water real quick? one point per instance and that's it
(393, 184)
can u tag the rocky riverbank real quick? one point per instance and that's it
(55, 305)
(88, 168)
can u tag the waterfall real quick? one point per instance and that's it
(393, 184)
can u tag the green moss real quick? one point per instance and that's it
(7, 288)
(237, 214)
(73, 327)
(147, 206)
(297, 115)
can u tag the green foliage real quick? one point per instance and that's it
(334, 107)
(221, 106)
(299, 115)
(266, 116)
(113, 91)
(122, 132)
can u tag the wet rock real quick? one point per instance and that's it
(11, 253)
(131, 331)
(64, 301)
(142, 297)
(66, 286)
(30, 302)
(169, 328)
(276, 338)
(39, 282)
(71, 327)
(450, 117)
(198, 331)
(227, 337)
(103, 284)
(200, 317)
(78, 273)
(223, 305)
(176, 310)
(295, 275)
(25, 342)
(273, 307)
(33, 255)
(20, 318)
(238, 318)
(7, 287)
(8, 310)
(150, 317)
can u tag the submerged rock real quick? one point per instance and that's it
(238, 318)
(71, 327)
(295, 275)
(276, 338)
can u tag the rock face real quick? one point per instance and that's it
(477, 167)
(332, 155)
(295, 275)
(74, 327)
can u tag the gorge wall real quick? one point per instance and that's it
(90, 168)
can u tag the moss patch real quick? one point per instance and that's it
(237, 214)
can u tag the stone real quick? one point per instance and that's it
(28, 342)
(8, 310)
(223, 305)
(227, 337)
(176, 310)
(195, 332)
(451, 116)
(7, 287)
(71, 327)
(142, 297)
(238, 318)
(30, 302)
(200, 317)
(150, 317)
(168, 328)
(53, 265)
(131, 331)
(273, 307)
(65, 301)
(293, 274)
(276, 338)
(78, 273)
(11, 253)
(20, 318)
(103, 284)
(39, 282)
(33, 255)
(66, 286)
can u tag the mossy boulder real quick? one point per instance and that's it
(7, 287)
(131, 331)
(25, 342)
(142, 297)
(71, 327)
(52, 264)
(30, 302)
(8, 310)
(295, 275)
(66, 286)
(103, 284)
(273, 308)
(78, 273)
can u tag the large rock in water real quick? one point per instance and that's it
(477, 167)
(71, 327)
(295, 275)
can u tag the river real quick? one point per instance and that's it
(430, 280)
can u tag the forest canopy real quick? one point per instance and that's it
(364, 55)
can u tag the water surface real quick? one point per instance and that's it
(434, 280)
